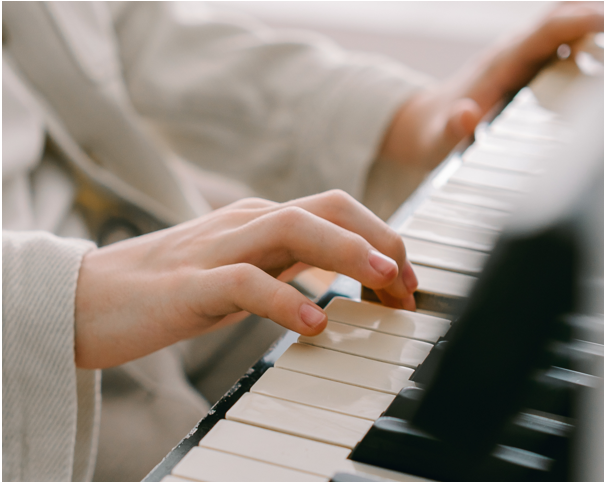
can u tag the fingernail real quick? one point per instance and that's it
(382, 264)
(311, 316)
(409, 277)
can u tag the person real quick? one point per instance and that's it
(114, 109)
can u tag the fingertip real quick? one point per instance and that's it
(464, 117)
(409, 303)
(409, 277)
(389, 300)
(471, 117)
(314, 319)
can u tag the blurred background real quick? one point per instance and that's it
(433, 37)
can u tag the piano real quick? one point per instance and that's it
(499, 374)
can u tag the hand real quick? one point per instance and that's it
(142, 294)
(431, 123)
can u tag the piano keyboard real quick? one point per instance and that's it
(302, 417)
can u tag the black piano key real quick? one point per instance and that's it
(395, 444)
(405, 403)
(425, 371)
(589, 328)
(555, 391)
(509, 464)
(551, 396)
(495, 345)
(398, 445)
(538, 434)
(578, 356)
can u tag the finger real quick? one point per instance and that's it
(290, 273)
(336, 240)
(407, 303)
(238, 287)
(341, 209)
(464, 116)
(292, 234)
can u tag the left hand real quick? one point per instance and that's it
(430, 124)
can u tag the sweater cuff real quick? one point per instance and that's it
(352, 117)
(41, 391)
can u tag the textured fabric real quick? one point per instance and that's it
(48, 45)
(148, 407)
(45, 402)
(288, 113)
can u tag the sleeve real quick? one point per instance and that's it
(288, 113)
(50, 410)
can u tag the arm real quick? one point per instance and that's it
(140, 295)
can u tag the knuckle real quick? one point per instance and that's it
(240, 275)
(337, 204)
(339, 198)
(289, 217)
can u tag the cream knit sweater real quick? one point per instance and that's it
(50, 409)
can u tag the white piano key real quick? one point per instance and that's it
(446, 283)
(465, 237)
(350, 369)
(529, 120)
(434, 313)
(274, 447)
(173, 478)
(206, 465)
(299, 420)
(534, 148)
(322, 393)
(461, 214)
(290, 451)
(387, 320)
(370, 344)
(526, 112)
(528, 129)
(526, 98)
(493, 179)
(502, 160)
(441, 256)
(379, 474)
(477, 196)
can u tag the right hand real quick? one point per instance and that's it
(430, 124)
(145, 293)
